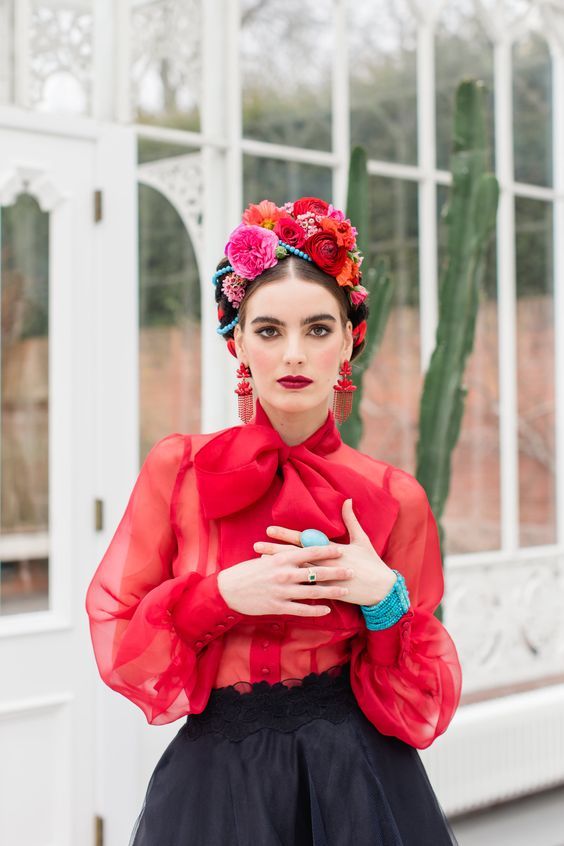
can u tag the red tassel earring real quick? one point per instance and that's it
(244, 393)
(343, 393)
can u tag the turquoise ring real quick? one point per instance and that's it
(313, 537)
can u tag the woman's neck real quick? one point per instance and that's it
(296, 427)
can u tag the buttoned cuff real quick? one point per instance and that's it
(202, 614)
(386, 646)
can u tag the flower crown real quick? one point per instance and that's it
(309, 228)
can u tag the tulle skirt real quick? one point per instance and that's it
(289, 764)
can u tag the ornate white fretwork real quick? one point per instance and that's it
(166, 46)
(28, 179)
(179, 179)
(61, 44)
(507, 619)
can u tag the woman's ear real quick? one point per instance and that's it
(237, 336)
(349, 340)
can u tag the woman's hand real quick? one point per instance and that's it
(372, 579)
(271, 584)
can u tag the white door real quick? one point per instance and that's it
(67, 227)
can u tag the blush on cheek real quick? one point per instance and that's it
(327, 361)
(263, 362)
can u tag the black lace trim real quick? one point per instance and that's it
(241, 709)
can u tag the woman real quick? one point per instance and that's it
(276, 587)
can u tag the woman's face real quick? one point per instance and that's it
(293, 327)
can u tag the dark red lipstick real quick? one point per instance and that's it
(294, 381)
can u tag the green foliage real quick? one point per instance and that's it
(470, 217)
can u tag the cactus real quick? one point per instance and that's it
(375, 279)
(470, 215)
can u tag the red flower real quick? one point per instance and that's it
(290, 231)
(325, 252)
(359, 332)
(310, 204)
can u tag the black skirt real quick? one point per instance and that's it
(289, 765)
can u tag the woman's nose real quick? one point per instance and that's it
(293, 354)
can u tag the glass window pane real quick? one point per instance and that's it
(170, 321)
(461, 50)
(391, 385)
(24, 279)
(154, 149)
(286, 55)
(535, 371)
(382, 39)
(282, 181)
(60, 51)
(471, 516)
(7, 51)
(532, 111)
(166, 62)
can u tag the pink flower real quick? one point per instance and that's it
(358, 294)
(290, 231)
(233, 287)
(334, 213)
(251, 250)
(266, 213)
(308, 222)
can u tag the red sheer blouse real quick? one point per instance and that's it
(162, 633)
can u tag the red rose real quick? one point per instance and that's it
(325, 252)
(290, 231)
(310, 204)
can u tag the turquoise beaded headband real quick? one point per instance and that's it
(308, 228)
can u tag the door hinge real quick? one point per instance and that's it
(99, 514)
(97, 206)
(98, 831)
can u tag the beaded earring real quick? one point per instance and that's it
(244, 393)
(343, 393)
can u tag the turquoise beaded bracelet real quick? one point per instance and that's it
(390, 609)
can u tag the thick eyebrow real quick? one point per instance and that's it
(314, 318)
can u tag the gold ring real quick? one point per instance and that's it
(311, 574)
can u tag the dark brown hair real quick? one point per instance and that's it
(281, 270)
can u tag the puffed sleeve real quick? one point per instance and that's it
(156, 636)
(407, 678)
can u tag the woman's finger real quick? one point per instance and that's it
(320, 591)
(300, 609)
(299, 554)
(323, 573)
(288, 535)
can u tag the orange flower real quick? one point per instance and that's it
(265, 214)
(349, 273)
(341, 229)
